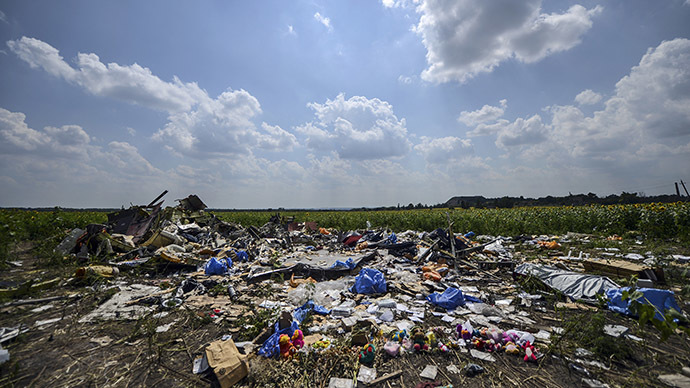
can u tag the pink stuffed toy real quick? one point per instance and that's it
(298, 339)
(530, 352)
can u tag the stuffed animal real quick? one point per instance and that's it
(298, 339)
(496, 335)
(430, 339)
(392, 348)
(510, 337)
(399, 336)
(511, 348)
(478, 343)
(366, 355)
(492, 346)
(419, 340)
(530, 352)
(322, 344)
(286, 347)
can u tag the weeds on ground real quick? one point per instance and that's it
(587, 331)
(253, 322)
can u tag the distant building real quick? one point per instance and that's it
(466, 201)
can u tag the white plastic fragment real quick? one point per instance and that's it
(481, 355)
(366, 374)
(429, 372)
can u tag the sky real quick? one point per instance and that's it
(321, 104)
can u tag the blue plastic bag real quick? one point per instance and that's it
(349, 264)
(271, 346)
(302, 311)
(216, 266)
(449, 300)
(369, 281)
(392, 239)
(242, 256)
(661, 299)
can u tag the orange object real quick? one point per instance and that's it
(324, 231)
(434, 271)
(550, 244)
(432, 275)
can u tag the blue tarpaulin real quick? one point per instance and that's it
(661, 299)
(349, 264)
(271, 347)
(369, 281)
(242, 256)
(301, 312)
(216, 266)
(450, 298)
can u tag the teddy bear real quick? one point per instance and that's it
(286, 347)
(298, 339)
(419, 339)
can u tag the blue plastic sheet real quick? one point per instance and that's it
(349, 264)
(242, 256)
(271, 347)
(450, 299)
(216, 266)
(661, 299)
(369, 281)
(302, 311)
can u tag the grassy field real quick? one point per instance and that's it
(658, 221)
(652, 220)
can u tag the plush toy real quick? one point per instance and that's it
(511, 348)
(430, 339)
(478, 343)
(419, 340)
(492, 346)
(398, 336)
(366, 355)
(298, 339)
(510, 337)
(530, 352)
(496, 335)
(392, 348)
(322, 344)
(454, 344)
(286, 347)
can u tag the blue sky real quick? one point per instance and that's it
(340, 104)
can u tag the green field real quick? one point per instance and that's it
(657, 221)
(651, 220)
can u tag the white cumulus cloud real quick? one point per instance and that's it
(198, 125)
(466, 37)
(642, 130)
(356, 128)
(482, 115)
(133, 83)
(588, 97)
